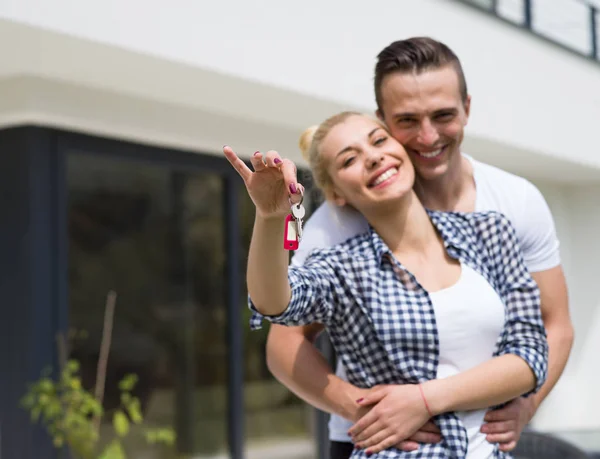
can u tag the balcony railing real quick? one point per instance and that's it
(572, 24)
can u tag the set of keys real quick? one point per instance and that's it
(293, 226)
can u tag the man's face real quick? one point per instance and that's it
(425, 113)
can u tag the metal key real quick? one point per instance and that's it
(298, 211)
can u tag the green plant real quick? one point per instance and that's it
(72, 415)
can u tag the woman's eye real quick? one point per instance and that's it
(380, 140)
(348, 161)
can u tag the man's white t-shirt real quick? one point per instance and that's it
(515, 197)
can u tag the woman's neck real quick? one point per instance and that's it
(405, 226)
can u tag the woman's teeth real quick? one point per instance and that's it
(386, 175)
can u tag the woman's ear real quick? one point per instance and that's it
(334, 196)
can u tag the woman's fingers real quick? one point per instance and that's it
(288, 169)
(261, 162)
(383, 445)
(257, 161)
(237, 163)
(376, 439)
(272, 159)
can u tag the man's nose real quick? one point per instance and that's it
(428, 134)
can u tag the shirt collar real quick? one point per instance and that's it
(449, 225)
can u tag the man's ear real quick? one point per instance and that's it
(467, 106)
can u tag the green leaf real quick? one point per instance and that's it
(73, 366)
(135, 411)
(75, 384)
(53, 408)
(151, 436)
(166, 436)
(35, 413)
(46, 385)
(113, 451)
(120, 423)
(128, 382)
(126, 398)
(58, 441)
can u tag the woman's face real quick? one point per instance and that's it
(367, 166)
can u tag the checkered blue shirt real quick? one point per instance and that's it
(381, 321)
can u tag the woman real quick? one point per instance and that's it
(439, 304)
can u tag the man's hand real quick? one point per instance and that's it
(383, 420)
(504, 426)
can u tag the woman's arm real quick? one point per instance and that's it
(292, 297)
(491, 383)
(270, 186)
(267, 274)
(522, 362)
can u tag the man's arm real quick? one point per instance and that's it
(294, 360)
(540, 246)
(559, 329)
(505, 425)
(541, 249)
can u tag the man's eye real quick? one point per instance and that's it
(445, 116)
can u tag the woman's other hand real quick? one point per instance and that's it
(397, 417)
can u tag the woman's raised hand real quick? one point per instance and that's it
(271, 185)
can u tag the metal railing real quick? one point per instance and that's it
(571, 24)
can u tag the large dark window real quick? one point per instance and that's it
(155, 233)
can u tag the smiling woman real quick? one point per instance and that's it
(347, 141)
(396, 297)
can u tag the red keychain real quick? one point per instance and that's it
(292, 233)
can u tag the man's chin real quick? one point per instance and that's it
(432, 172)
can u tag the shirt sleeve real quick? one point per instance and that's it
(327, 226)
(315, 288)
(524, 333)
(539, 241)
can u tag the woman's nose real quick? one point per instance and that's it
(374, 159)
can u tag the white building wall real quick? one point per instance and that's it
(197, 74)
(573, 403)
(527, 93)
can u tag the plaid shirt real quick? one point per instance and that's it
(381, 321)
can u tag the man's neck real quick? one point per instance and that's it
(454, 191)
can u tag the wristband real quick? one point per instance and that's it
(425, 400)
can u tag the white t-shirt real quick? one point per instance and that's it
(469, 317)
(518, 199)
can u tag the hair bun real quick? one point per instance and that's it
(305, 141)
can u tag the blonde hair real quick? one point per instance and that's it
(310, 146)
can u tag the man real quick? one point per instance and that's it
(422, 97)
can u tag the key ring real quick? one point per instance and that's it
(301, 200)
